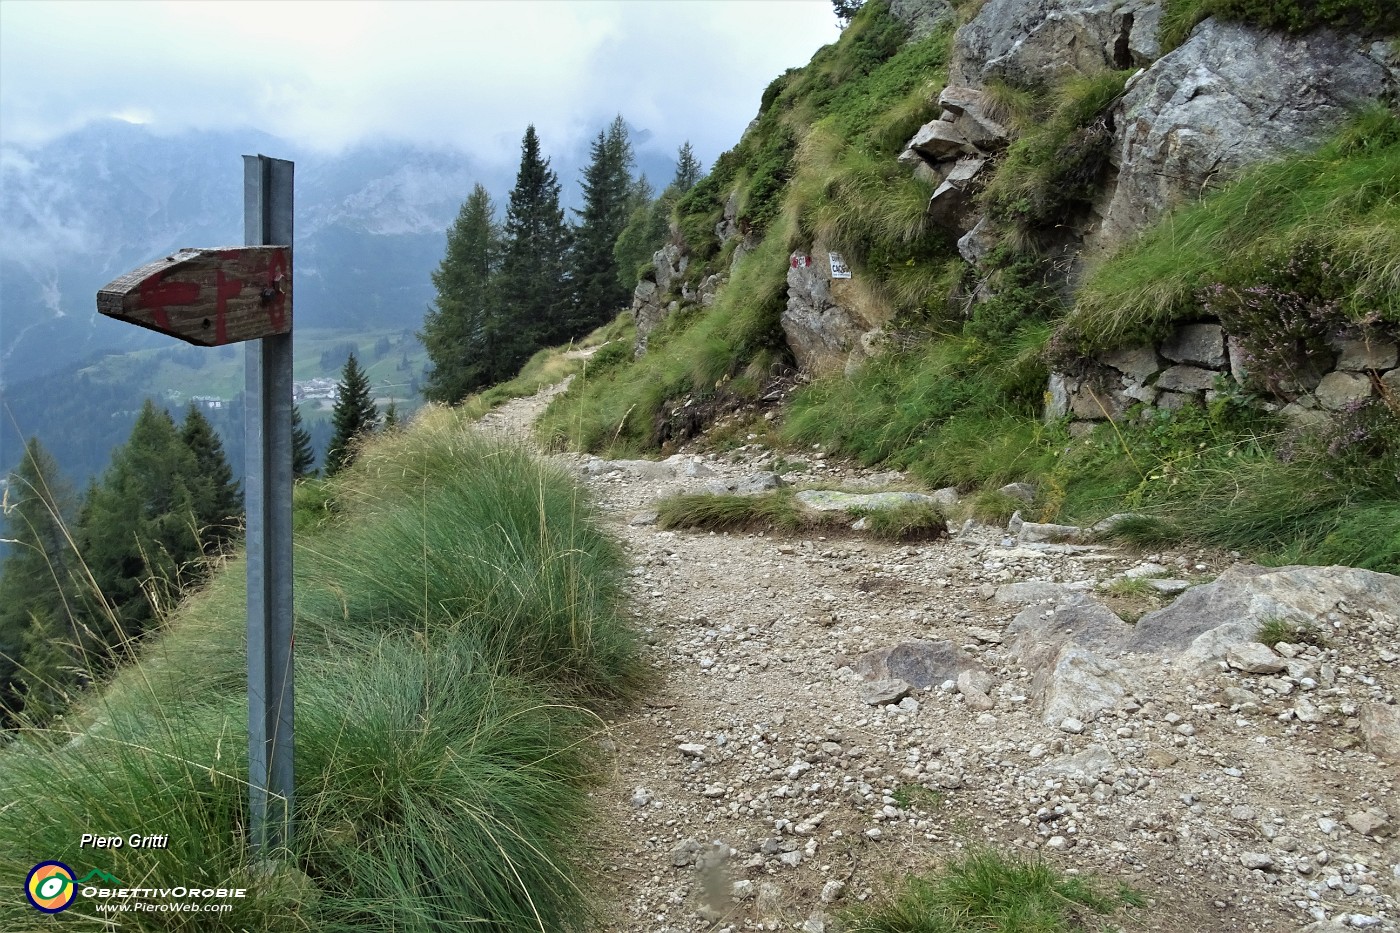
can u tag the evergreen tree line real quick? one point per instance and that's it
(86, 577)
(506, 288)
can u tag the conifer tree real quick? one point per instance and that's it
(533, 279)
(598, 292)
(391, 417)
(138, 529)
(688, 170)
(303, 454)
(218, 505)
(464, 330)
(354, 416)
(38, 580)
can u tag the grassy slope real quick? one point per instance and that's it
(958, 401)
(458, 622)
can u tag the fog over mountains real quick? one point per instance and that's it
(86, 207)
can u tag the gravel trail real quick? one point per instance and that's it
(757, 788)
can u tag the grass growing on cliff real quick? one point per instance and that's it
(626, 407)
(1054, 167)
(816, 165)
(1179, 17)
(1339, 205)
(458, 620)
(951, 411)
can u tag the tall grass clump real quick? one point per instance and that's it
(1339, 205)
(987, 892)
(458, 619)
(1228, 476)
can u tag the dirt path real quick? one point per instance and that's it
(756, 790)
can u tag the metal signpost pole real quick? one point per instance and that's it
(267, 220)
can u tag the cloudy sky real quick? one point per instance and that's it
(463, 73)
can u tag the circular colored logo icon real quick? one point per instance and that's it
(50, 887)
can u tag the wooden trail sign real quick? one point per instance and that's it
(208, 297)
(213, 297)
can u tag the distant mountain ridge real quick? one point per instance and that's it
(90, 205)
(95, 203)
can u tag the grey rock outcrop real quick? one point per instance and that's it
(1229, 97)
(1031, 42)
(1037, 636)
(652, 299)
(826, 325)
(825, 500)
(951, 152)
(922, 16)
(1380, 728)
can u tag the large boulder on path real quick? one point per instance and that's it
(830, 500)
(1203, 623)
(917, 662)
(1038, 633)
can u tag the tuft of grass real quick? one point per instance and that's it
(918, 797)
(1131, 599)
(1055, 165)
(987, 892)
(1144, 531)
(459, 619)
(918, 521)
(629, 407)
(1275, 630)
(1129, 588)
(993, 506)
(764, 512)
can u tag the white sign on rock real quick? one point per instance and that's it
(839, 269)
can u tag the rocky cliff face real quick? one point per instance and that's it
(1172, 128)
(1229, 97)
(1029, 42)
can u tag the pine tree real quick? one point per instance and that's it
(138, 530)
(218, 506)
(464, 329)
(303, 454)
(598, 291)
(533, 288)
(354, 416)
(38, 582)
(391, 417)
(688, 170)
(846, 10)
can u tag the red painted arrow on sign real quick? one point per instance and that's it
(209, 297)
